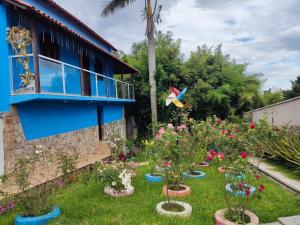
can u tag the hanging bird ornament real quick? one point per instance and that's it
(175, 97)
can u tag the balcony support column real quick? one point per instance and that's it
(35, 57)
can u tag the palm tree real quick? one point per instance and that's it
(152, 15)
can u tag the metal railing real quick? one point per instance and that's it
(62, 78)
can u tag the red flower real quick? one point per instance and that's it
(167, 164)
(230, 136)
(221, 155)
(223, 132)
(209, 158)
(247, 191)
(277, 129)
(261, 188)
(212, 152)
(241, 185)
(244, 155)
(122, 157)
(257, 177)
(252, 125)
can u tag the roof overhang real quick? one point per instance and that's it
(119, 65)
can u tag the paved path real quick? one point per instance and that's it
(278, 176)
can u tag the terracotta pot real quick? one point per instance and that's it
(221, 220)
(223, 169)
(174, 194)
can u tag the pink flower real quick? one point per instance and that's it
(223, 132)
(244, 155)
(158, 136)
(230, 136)
(241, 185)
(2, 209)
(209, 158)
(221, 155)
(61, 183)
(170, 126)
(11, 205)
(212, 152)
(251, 125)
(167, 163)
(261, 188)
(257, 177)
(161, 131)
(247, 191)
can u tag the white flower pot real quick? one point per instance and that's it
(123, 193)
(187, 212)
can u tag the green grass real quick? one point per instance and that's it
(283, 168)
(88, 205)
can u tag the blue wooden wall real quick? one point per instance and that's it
(45, 118)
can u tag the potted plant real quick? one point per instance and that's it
(36, 209)
(152, 147)
(174, 188)
(240, 191)
(116, 178)
(20, 41)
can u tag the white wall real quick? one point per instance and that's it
(283, 113)
(1, 148)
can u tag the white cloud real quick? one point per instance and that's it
(265, 34)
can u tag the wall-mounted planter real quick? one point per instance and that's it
(197, 174)
(228, 187)
(186, 212)
(123, 193)
(152, 178)
(241, 176)
(186, 191)
(38, 220)
(221, 220)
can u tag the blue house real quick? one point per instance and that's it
(58, 90)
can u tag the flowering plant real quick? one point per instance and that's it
(116, 176)
(242, 185)
(117, 143)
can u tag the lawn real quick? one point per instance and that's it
(88, 205)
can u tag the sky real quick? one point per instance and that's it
(265, 34)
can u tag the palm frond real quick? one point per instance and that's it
(113, 5)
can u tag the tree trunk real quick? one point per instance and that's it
(151, 61)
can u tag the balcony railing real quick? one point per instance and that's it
(61, 78)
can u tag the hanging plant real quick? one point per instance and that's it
(20, 40)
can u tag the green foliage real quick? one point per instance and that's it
(216, 85)
(283, 144)
(295, 91)
(269, 98)
(66, 163)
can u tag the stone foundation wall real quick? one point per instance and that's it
(82, 141)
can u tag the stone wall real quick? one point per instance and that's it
(82, 141)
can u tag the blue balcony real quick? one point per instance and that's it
(62, 81)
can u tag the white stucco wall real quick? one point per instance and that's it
(283, 113)
(1, 148)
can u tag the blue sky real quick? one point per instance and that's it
(262, 33)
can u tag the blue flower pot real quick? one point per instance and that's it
(38, 220)
(238, 192)
(199, 176)
(236, 177)
(151, 178)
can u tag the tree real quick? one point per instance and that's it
(216, 84)
(152, 16)
(295, 91)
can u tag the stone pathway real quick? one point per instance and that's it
(292, 220)
(277, 176)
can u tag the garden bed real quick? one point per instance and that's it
(83, 204)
